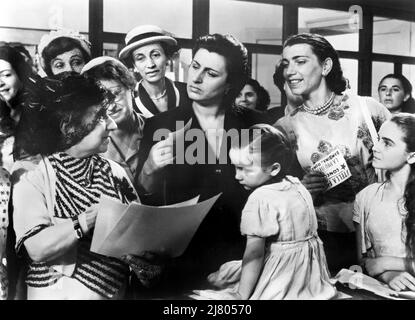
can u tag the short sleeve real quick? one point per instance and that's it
(360, 217)
(30, 213)
(259, 217)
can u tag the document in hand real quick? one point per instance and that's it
(135, 228)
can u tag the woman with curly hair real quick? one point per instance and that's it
(63, 51)
(329, 120)
(125, 140)
(217, 74)
(384, 213)
(67, 124)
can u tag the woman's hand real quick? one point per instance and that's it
(148, 267)
(161, 154)
(87, 219)
(315, 182)
(398, 280)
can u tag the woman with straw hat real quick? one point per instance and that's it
(149, 50)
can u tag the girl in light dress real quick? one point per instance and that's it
(284, 257)
(384, 213)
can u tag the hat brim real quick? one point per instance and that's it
(124, 53)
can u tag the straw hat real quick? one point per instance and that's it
(143, 35)
(98, 61)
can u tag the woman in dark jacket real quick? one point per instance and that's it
(177, 169)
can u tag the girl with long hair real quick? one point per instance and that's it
(384, 213)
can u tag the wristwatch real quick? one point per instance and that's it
(77, 227)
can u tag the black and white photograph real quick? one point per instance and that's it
(206, 154)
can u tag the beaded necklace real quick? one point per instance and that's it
(322, 108)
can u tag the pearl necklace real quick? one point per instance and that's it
(160, 96)
(322, 108)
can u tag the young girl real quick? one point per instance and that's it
(284, 258)
(384, 213)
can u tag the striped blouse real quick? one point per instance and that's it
(80, 184)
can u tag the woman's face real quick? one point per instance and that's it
(391, 94)
(96, 141)
(207, 79)
(9, 81)
(247, 97)
(150, 62)
(122, 108)
(389, 152)
(72, 60)
(302, 69)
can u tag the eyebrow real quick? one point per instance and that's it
(206, 67)
(388, 140)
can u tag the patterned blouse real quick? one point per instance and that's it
(80, 184)
(343, 127)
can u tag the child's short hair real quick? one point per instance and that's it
(271, 143)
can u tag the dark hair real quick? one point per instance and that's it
(273, 145)
(52, 119)
(406, 122)
(408, 105)
(236, 56)
(112, 70)
(58, 46)
(263, 95)
(323, 50)
(17, 61)
(23, 71)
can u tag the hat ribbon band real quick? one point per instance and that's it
(143, 36)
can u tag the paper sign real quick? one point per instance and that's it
(334, 167)
(140, 228)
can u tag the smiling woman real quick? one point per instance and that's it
(329, 119)
(67, 124)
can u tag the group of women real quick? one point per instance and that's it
(87, 130)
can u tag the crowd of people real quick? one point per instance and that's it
(83, 128)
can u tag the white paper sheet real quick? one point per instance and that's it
(140, 228)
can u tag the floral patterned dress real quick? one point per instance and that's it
(343, 127)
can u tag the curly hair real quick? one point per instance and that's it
(53, 117)
(409, 104)
(406, 122)
(58, 46)
(335, 80)
(236, 57)
(112, 70)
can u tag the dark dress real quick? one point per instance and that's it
(218, 238)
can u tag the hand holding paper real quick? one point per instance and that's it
(134, 229)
